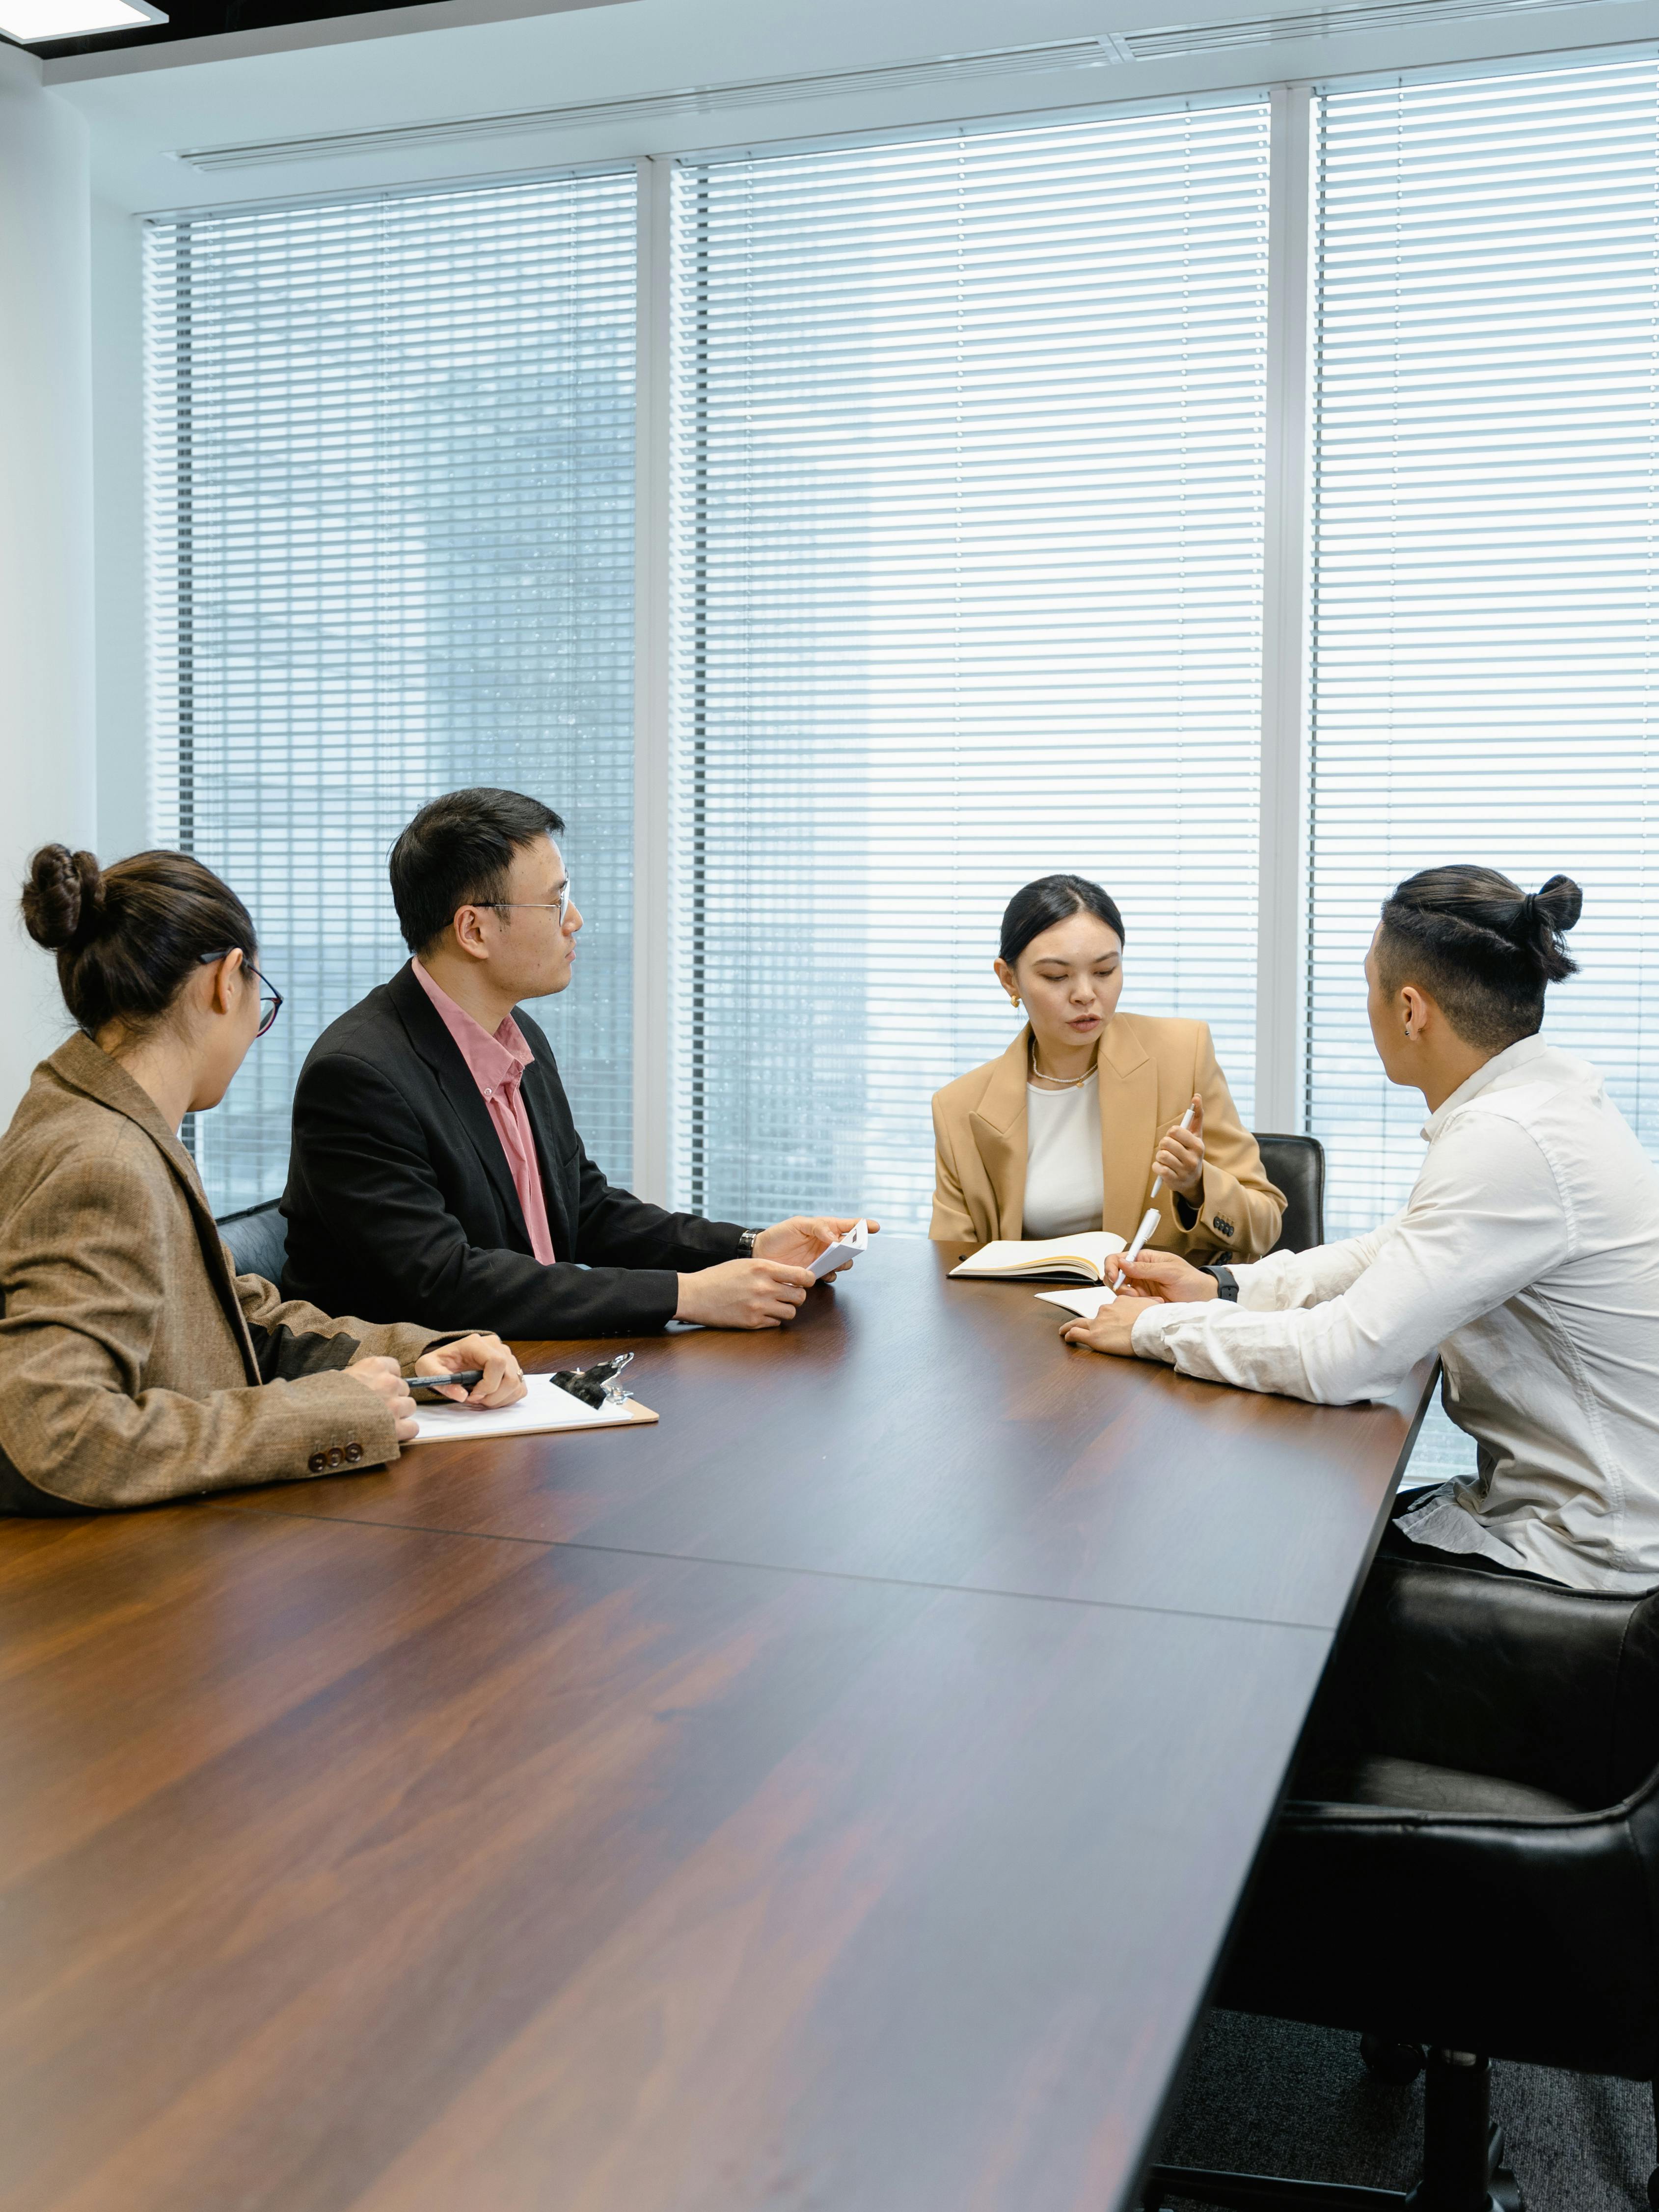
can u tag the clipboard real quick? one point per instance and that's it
(545, 1409)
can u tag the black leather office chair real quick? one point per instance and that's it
(1297, 1165)
(258, 1237)
(1469, 1860)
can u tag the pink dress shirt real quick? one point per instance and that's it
(496, 1064)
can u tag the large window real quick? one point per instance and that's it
(968, 547)
(1486, 566)
(392, 520)
(968, 490)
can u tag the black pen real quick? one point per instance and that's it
(468, 1375)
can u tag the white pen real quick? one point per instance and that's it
(1149, 1220)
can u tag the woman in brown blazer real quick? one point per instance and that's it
(1068, 1128)
(135, 1364)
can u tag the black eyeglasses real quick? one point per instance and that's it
(270, 998)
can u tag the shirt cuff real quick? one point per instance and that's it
(1146, 1337)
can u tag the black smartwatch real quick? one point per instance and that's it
(1227, 1283)
(746, 1245)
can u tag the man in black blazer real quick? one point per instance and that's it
(434, 1156)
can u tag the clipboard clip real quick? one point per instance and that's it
(595, 1386)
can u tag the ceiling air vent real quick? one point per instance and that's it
(697, 100)
(1338, 19)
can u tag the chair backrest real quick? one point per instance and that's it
(1297, 1164)
(258, 1237)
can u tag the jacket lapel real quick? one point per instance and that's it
(998, 1123)
(442, 1055)
(87, 1068)
(1128, 1126)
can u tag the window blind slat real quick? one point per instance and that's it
(967, 523)
(391, 499)
(1486, 573)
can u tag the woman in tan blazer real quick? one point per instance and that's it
(135, 1364)
(1068, 1128)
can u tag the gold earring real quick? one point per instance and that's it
(1013, 1000)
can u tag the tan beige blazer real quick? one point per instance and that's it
(134, 1364)
(1149, 1070)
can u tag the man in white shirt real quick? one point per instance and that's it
(1528, 1255)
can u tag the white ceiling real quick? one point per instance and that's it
(478, 56)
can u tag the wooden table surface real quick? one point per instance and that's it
(794, 1807)
(915, 1428)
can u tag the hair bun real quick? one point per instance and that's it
(63, 898)
(1561, 903)
(1541, 920)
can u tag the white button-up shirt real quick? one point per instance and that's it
(1528, 1256)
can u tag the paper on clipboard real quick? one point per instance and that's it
(856, 1240)
(543, 1409)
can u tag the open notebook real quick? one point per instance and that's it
(544, 1407)
(1060, 1259)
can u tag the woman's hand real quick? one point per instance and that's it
(379, 1374)
(1180, 1157)
(501, 1383)
(1165, 1277)
(798, 1241)
(1112, 1328)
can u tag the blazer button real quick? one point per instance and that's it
(353, 1453)
(316, 1462)
(336, 1457)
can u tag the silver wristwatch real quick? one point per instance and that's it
(746, 1242)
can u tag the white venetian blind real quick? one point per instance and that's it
(967, 517)
(1486, 594)
(391, 512)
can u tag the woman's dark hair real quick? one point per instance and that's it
(457, 852)
(129, 938)
(1482, 948)
(1048, 899)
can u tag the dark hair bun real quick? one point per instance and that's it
(1560, 903)
(63, 897)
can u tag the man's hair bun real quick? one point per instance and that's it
(63, 898)
(1481, 946)
(1558, 906)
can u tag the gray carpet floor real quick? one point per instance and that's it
(1266, 2097)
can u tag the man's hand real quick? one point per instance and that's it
(1180, 1158)
(798, 1241)
(1164, 1275)
(379, 1374)
(744, 1293)
(502, 1381)
(1112, 1327)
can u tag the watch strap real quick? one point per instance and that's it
(746, 1243)
(1227, 1283)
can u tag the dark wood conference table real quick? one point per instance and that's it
(833, 1799)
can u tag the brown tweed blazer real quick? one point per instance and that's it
(135, 1365)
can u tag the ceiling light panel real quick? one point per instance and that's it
(38, 22)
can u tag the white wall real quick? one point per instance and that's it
(46, 648)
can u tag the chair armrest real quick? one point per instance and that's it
(1525, 1939)
(1496, 1676)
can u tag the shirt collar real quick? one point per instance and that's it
(1501, 1063)
(494, 1062)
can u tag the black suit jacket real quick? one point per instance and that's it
(400, 1202)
